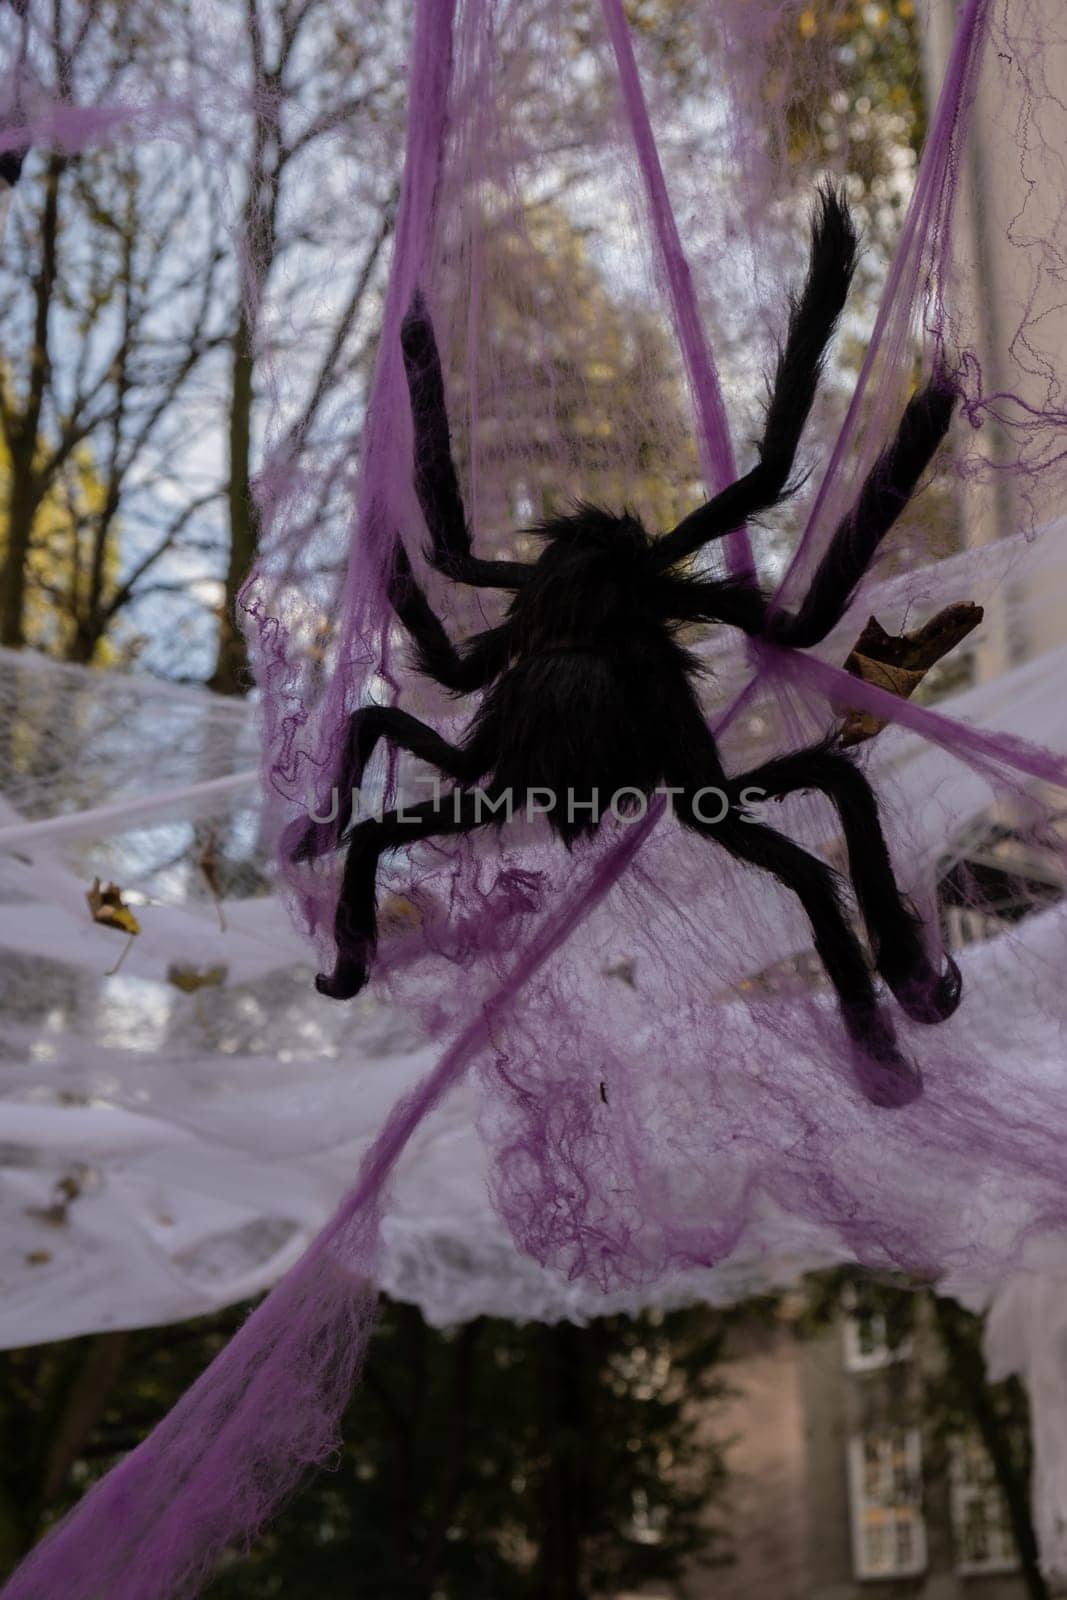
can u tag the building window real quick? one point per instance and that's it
(968, 925)
(885, 1501)
(980, 1523)
(866, 1343)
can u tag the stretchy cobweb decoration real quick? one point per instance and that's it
(661, 1082)
(590, 698)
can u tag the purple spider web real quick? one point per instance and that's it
(637, 1128)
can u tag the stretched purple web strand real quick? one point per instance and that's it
(217, 1429)
(363, 597)
(75, 128)
(989, 752)
(929, 217)
(714, 427)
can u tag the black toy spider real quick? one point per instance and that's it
(587, 691)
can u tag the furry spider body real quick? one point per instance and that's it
(587, 692)
(597, 697)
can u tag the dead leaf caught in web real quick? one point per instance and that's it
(190, 979)
(109, 909)
(399, 915)
(899, 663)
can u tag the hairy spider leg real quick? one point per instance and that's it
(436, 482)
(355, 921)
(462, 670)
(885, 1074)
(887, 489)
(813, 316)
(365, 727)
(406, 732)
(479, 662)
(887, 1077)
(893, 926)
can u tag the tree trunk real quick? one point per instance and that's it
(21, 511)
(17, 1526)
(43, 1437)
(25, 492)
(563, 1486)
(451, 1482)
(85, 637)
(963, 1353)
(231, 675)
(83, 1407)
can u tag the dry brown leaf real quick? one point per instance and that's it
(209, 862)
(66, 1190)
(109, 910)
(899, 663)
(54, 1216)
(190, 979)
(398, 915)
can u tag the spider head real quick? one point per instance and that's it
(590, 541)
(590, 562)
(591, 527)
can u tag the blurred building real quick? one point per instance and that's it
(840, 1487)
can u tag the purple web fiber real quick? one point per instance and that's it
(920, 260)
(922, 249)
(218, 1466)
(239, 1441)
(77, 128)
(993, 753)
(714, 430)
(363, 604)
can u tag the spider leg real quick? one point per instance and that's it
(885, 1074)
(886, 491)
(436, 483)
(738, 602)
(372, 723)
(365, 727)
(355, 922)
(812, 318)
(894, 928)
(481, 660)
